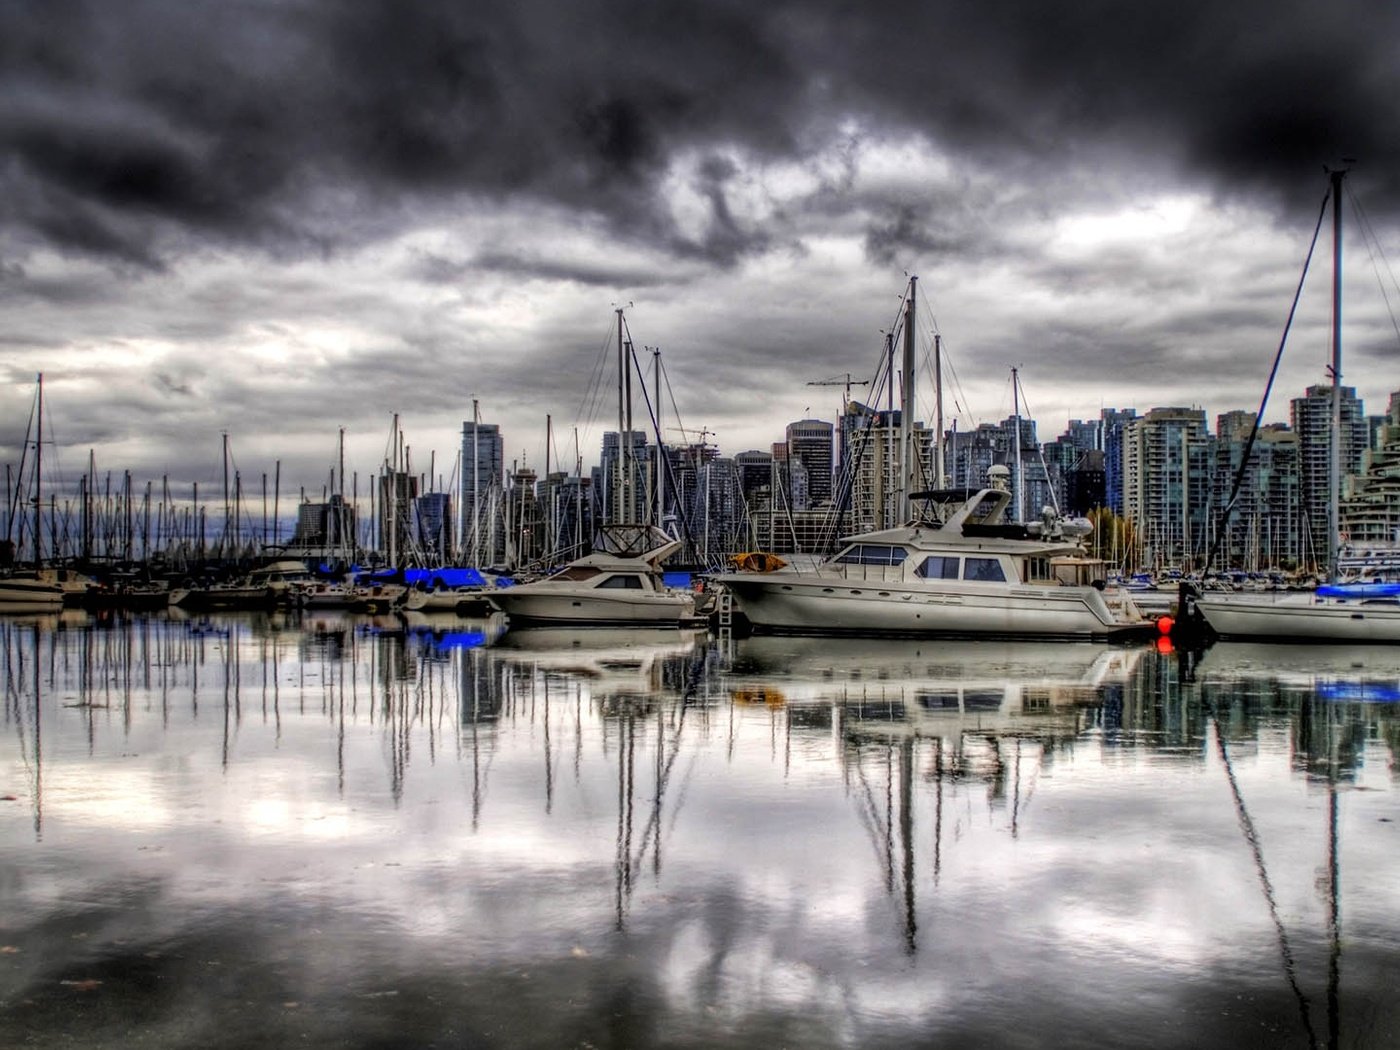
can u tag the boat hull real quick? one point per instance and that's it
(28, 593)
(798, 604)
(537, 605)
(1305, 618)
(463, 602)
(226, 598)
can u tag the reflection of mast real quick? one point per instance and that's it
(1334, 897)
(937, 808)
(1251, 836)
(38, 749)
(626, 776)
(906, 836)
(882, 829)
(548, 753)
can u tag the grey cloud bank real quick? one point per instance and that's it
(279, 218)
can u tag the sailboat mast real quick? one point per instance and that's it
(38, 477)
(1334, 463)
(938, 473)
(224, 537)
(476, 489)
(620, 470)
(660, 446)
(909, 461)
(1017, 509)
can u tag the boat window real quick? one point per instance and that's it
(985, 570)
(1038, 569)
(873, 554)
(938, 567)
(627, 583)
(576, 572)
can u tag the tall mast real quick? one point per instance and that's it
(223, 539)
(1334, 464)
(1016, 508)
(476, 491)
(660, 446)
(938, 474)
(578, 498)
(551, 530)
(391, 511)
(909, 460)
(39, 477)
(619, 471)
(889, 475)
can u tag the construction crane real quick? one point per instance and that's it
(702, 433)
(843, 381)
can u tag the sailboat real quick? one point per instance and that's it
(620, 583)
(39, 587)
(1332, 613)
(961, 569)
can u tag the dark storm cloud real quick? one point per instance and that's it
(133, 130)
(623, 273)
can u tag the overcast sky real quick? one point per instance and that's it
(278, 219)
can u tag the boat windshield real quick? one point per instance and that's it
(576, 572)
(873, 554)
(626, 583)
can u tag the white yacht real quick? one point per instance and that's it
(972, 574)
(34, 589)
(1326, 615)
(600, 590)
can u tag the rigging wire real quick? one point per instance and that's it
(1375, 249)
(1229, 507)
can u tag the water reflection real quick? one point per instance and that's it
(426, 830)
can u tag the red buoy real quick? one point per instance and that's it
(1165, 625)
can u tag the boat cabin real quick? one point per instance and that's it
(606, 579)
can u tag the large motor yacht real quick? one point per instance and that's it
(967, 572)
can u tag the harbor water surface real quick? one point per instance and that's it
(342, 831)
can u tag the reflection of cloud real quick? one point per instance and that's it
(124, 800)
(354, 838)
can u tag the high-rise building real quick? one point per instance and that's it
(755, 471)
(1166, 484)
(1312, 419)
(871, 466)
(1263, 528)
(712, 504)
(483, 479)
(622, 487)
(1370, 508)
(432, 526)
(1111, 424)
(810, 440)
(969, 454)
(326, 527)
(524, 522)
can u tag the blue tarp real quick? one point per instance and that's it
(450, 577)
(1359, 590)
(1360, 692)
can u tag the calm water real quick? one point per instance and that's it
(344, 832)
